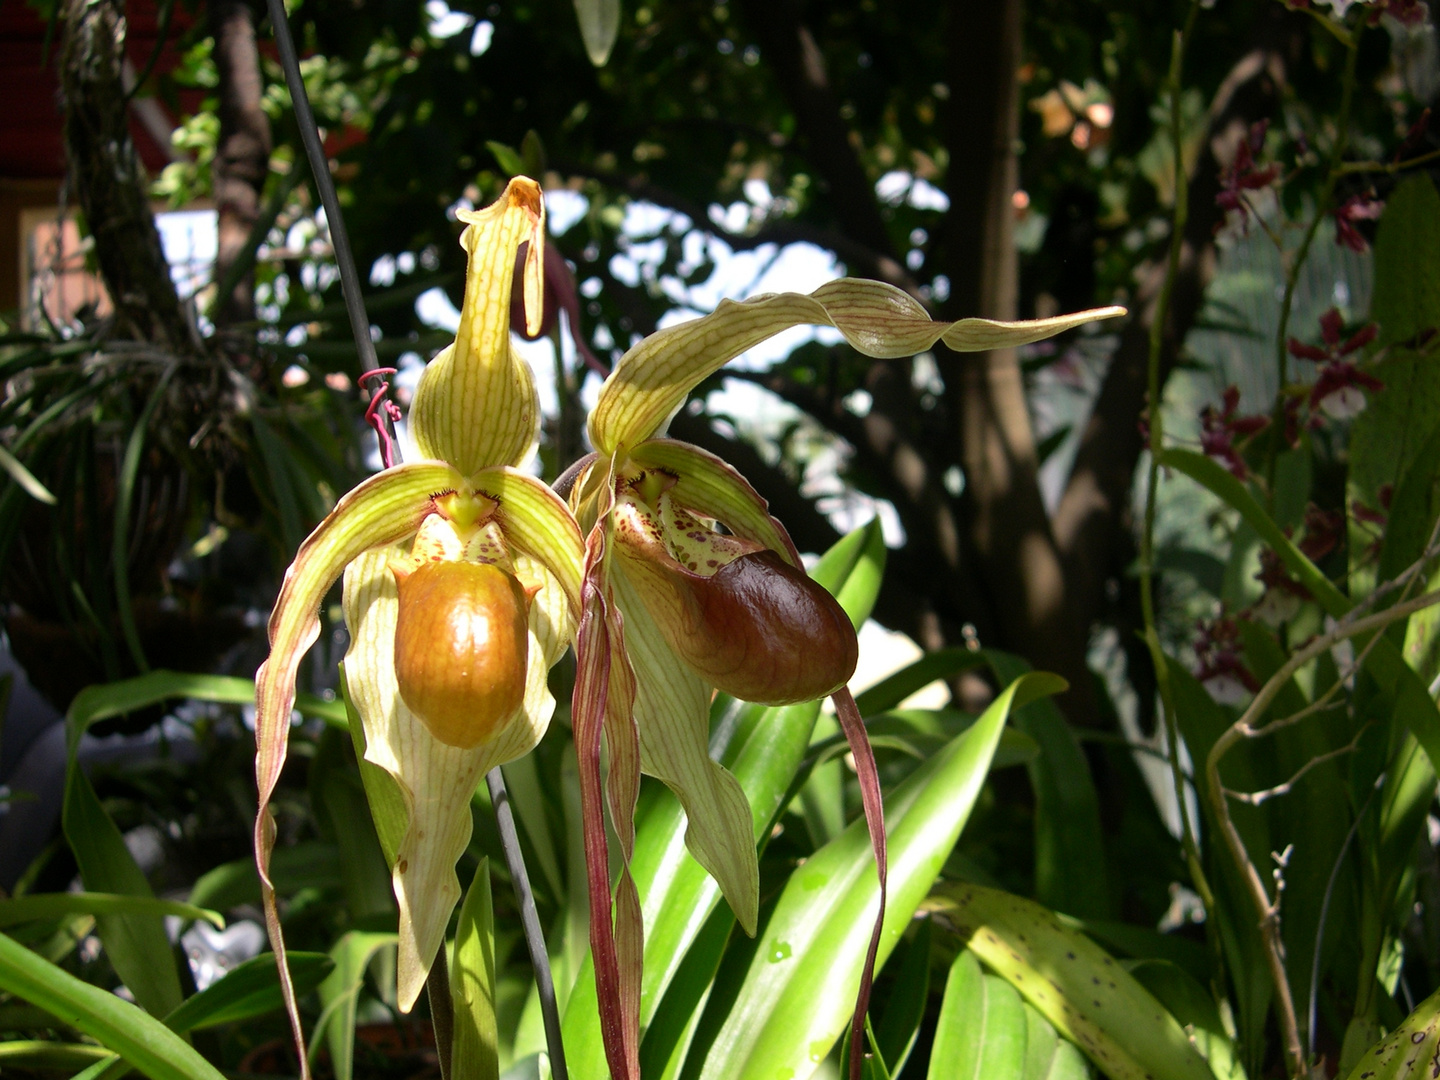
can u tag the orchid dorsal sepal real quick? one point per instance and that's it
(475, 405)
(653, 379)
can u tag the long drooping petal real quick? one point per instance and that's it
(475, 405)
(604, 705)
(382, 510)
(870, 798)
(653, 378)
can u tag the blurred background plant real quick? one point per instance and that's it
(1259, 194)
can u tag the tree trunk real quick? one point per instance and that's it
(1007, 527)
(242, 155)
(109, 181)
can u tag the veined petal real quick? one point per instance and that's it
(383, 509)
(653, 378)
(476, 405)
(672, 709)
(435, 780)
(710, 486)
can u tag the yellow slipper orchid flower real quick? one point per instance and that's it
(461, 589)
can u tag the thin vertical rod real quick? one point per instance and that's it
(320, 168)
(530, 919)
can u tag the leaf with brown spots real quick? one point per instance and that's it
(1072, 983)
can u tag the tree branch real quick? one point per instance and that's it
(109, 181)
(799, 67)
(242, 153)
(861, 259)
(1092, 523)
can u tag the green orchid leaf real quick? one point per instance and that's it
(1406, 300)
(1410, 1052)
(106, 700)
(307, 865)
(1069, 843)
(340, 995)
(47, 1056)
(135, 942)
(139, 1038)
(475, 405)
(25, 478)
(683, 939)
(250, 989)
(1194, 1007)
(1049, 1057)
(21, 909)
(799, 991)
(475, 1051)
(895, 688)
(982, 1030)
(654, 378)
(1076, 985)
(135, 936)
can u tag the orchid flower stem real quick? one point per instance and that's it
(442, 1011)
(530, 919)
(320, 167)
(1322, 208)
(1158, 658)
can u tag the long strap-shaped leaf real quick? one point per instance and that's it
(1073, 982)
(136, 1036)
(799, 989)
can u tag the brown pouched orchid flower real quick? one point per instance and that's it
(461, 589)
(674, 608)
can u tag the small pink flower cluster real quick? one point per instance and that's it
(1339, 391)
(1219, 429)
(1244, 175)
